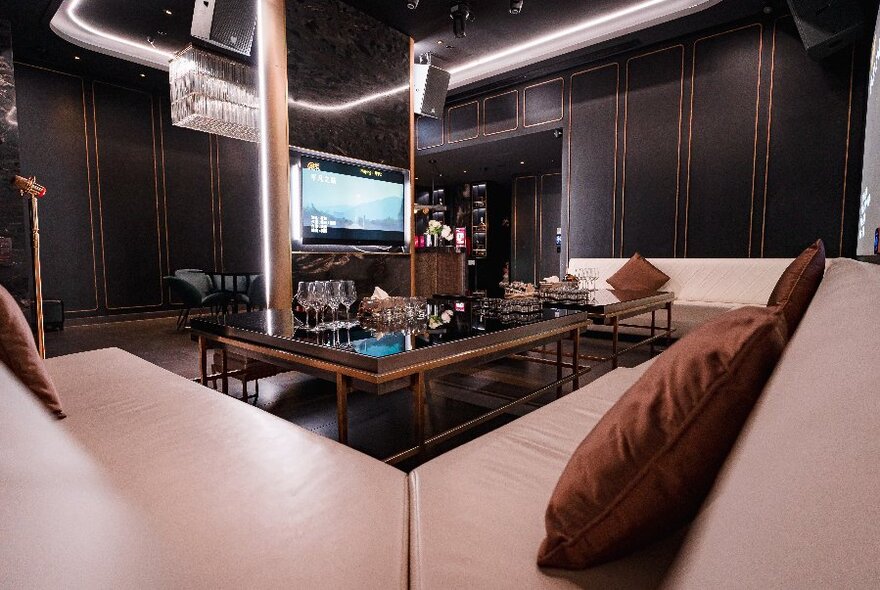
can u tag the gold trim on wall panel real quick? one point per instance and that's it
(460, 106)
(852, 71)
(487, 99)
(540, 248)
(687, 201)
(442, 135)
(219, 206)
(164, 192)
(561, 102)
(615, 65)
(82, 83)
(101, 200)
(212, 140)
(678, 155)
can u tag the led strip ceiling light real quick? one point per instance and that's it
(632, 18)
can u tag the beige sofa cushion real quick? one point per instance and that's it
(796, 505)
(61, 522)
(743, 281)
(245, 499)
(478, 511)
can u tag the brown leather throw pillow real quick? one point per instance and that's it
(19, 353)
(646, 467)
(638, 275)
(795, 288)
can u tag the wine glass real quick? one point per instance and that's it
(593, 276)
(302, 298)
(322, 295)
(337, 288)
(349, 296)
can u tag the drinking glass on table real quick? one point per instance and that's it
(302, 298)
(349, 296)
(337, 288)
(593, 276)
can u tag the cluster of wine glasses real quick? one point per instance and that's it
(586, 277)
(321, 296)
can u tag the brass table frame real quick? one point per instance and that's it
(613, 317)
(468, 352)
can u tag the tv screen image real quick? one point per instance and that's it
(351, 204)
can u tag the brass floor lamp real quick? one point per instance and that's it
(29, 188)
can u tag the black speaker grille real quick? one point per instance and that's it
(233, 24)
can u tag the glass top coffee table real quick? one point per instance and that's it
(609, 307)
(381, 363)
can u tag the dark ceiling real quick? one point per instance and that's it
(493, 29)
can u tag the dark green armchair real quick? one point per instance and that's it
(193, 292)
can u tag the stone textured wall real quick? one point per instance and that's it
(338, 55)
(15, 272)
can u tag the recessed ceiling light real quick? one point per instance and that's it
(143, 75)
(464, 171)
(522, 162)
(440, 42)
(168, 11)
(76, 57)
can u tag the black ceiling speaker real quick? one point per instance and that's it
(229, 24)
(826, 26)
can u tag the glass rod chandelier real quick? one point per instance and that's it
(214, 94)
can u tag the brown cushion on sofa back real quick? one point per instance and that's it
(645, 468)
(795, 288)
(19, 353)
(638, 275)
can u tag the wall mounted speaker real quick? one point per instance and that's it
(825, 26)
(430, 85)
(229, 24)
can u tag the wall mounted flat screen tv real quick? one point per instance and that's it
(344, 204)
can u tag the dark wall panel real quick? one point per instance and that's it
(501, 112)
(463, 122)
(723, 145)
(550, 195)
(593, 161)
(188, 197)
(238, 197)
(429, 132)
(652, 136)
(525, 219)
(51, 106)
(128, 197)
(544, 102)
(807, 144)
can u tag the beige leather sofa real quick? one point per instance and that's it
(215, 493)
(703, 287)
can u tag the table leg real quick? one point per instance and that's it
(653, 329)
(668, 324)
(559, 364)
(576, 355)
(614, 339)
(418, 388)
(224, 370)
(343, 388)
(203, 361)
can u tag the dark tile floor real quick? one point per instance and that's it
(378, 425)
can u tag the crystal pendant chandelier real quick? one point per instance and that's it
(214, 94)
